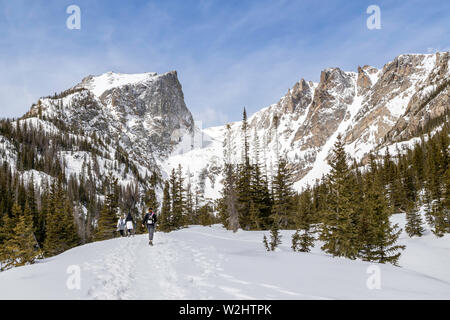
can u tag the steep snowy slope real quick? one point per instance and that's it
(212, 263)
(143, 117)
(370, 109)
(143, 113)
(133, 121)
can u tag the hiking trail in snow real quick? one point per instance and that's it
(199, 263)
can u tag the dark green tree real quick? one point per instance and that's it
(283, 209)
(303, 238)
(165, 219)
(339, 232)
(107, 221)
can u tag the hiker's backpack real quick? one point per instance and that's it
(150, 220)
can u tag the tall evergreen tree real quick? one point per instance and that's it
(434, 208)
(229, 202)
(165, 219)
(303, 239)
(393, 181)
(447, 199)
(243, 185)
(380, 237)
(60, 232)
(339, 232)
(414, 222)
(283, 209)
(20, 248)
(107, 221)
(190, 207)
(260, 193)
(178, 218)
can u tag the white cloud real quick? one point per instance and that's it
(209, 117)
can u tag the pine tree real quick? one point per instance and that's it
(266, 243)
(243, 185)
(366, 226)
(222, 214)
(229, 202)
(42, 215)
(32, 205)
(275, 237)
(437, 160)
(60, 232)
(283, 206)
(414, 222)
(178, 218)
(393, 181)
(20, 249)
(165, 219)
(191, 214)
(418, 163)
(205, 216)
(181, 208)
(379, 236)
(151, 201)
(255, 214)
(260, 193)
(8, 224)
(107, 222)
(339, 232)
(70, 233)
(303, 238)
(447, 199)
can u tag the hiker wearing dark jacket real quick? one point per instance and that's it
(149, 221)
(130, 224)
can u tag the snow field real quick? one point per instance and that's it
(212, 263)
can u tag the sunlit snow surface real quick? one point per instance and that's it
(212, 263)
(99, 84)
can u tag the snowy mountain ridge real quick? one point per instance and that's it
(107, 81)
(371, 109)
(144, 116)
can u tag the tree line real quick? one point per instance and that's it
(349, 210)
(60, 210)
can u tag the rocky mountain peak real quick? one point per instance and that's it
(143, 113)
(370, 109)
(334, 77)
(146, 115)
(364, 80)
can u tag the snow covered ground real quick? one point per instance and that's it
(213, 263)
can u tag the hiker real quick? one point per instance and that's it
(121, 225)
(150, 222)
(130, 222)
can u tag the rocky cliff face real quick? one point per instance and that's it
(371, 109)
(145, 114)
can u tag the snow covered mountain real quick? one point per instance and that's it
(134, 121)
(371, 109)
(143, 113)
(143, 119)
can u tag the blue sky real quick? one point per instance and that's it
(228, 53)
